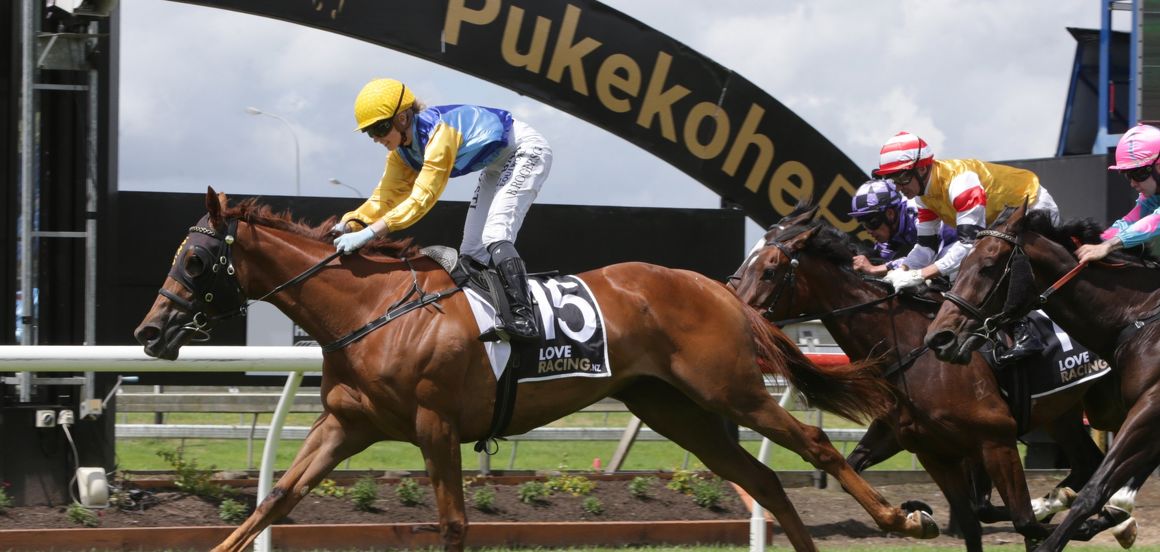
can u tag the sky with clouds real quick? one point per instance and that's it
(975, 78)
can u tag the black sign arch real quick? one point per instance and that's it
(598, 64)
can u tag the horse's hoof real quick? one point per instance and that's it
(1125, 533)
(916, 506)
(927, 528)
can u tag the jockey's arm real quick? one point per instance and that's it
(970, 202)
(438, 161)
(394, 186)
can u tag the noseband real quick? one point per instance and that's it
(991, 324)
(214, 288)
(217, 294)
(787, 280)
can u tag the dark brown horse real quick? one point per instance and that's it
(953, 418)
(1108, 307)
(685, 355)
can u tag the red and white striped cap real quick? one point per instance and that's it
(902, 152)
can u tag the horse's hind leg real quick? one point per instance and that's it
(327, 444)
(675, 416)
(752, 407)
(876, 446)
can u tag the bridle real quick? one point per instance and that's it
(217, 294)
(789, 278)
(208, 288)
(1009, 312)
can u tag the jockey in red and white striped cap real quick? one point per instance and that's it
(902, 152)
(967, 194)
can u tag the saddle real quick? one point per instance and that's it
(467, 273)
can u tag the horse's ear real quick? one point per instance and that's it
(214, 203)
(798, 242)
(1017, 218)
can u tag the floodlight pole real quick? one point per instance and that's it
(293, 134)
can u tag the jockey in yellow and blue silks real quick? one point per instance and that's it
(428, 146)
(966, 193)
(1137, 155)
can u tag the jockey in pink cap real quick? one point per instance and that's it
(1136, 158)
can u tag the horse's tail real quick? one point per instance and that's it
(855, 391)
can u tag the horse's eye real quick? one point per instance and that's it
(194, 266)
(767, 274)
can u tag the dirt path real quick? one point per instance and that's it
(835, 520)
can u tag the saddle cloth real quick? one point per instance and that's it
(1063, 364)
(573, 341)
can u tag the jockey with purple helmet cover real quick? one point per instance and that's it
(892, 221)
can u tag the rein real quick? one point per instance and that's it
(225, 280)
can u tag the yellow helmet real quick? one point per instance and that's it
(379, 100)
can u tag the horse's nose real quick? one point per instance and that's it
(147, 334)
(940, 342)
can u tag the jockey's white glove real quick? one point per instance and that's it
(903, 279)
(340, 228)
(349, 243)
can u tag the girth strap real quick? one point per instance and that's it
(1132, 329)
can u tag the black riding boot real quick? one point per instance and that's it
(522, 324)
(1026, 343)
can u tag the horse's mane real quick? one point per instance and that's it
(250, 211)
(1083, 230)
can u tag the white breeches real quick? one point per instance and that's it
(506, 189)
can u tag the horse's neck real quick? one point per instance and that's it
(324, 304)
(1094, 305)
(873, 330)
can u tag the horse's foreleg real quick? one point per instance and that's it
(952, 481)
(325, 446)
(1006, 471)
(1134, 454)
(758, 411)
(1083, 457)
(876, 446)
(678, 418)
(439, 441)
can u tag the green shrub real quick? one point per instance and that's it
(232, 511)
(82, 516)
(593, 506)
(364, 493)
(5, 500)
(641, 486)
(188, 477)
(327, 487)
(708, 493)
(409, 492)
(532, 491)
(483, 499)
(575, 485)
(682, 481)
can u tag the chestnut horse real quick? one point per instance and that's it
(1108, 307)
(686, 354)
(805, 268)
